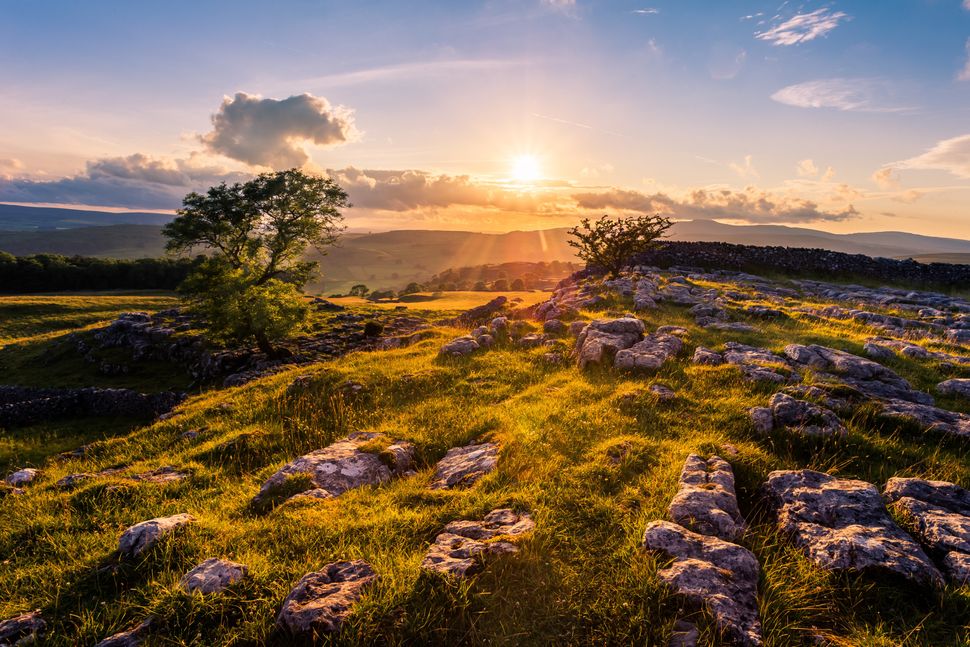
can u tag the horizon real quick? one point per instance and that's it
(839, 117)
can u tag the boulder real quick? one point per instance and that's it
(212, 575)
(22, 629)
(602, 339)
(463, 546)
(465, 465)
(803, 417)
(731, 326)
(763, 420)
(711, 573)
(939, 514)
(706, 502)
(342, 466)
(23, 477)
(460, 347)
(142, 536)
(958, 387)
(842, 525)
(685, 634)
(554, 327)
(758, 364)
(662, 393)
(648, 355)
(706, 357)
(928, 418)
(322, 600)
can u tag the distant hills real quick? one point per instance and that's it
(394, 258)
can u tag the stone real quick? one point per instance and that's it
(142, 536)
(343, 466)
(731, 326)
(321, 601)
(711, 573)
(464, 465)
(763, 311)
(23, 477)
(648, 355)
(677, 331)
(22, 629)
(706, 502)
(939, 513)
(842, 525)
(758, 364)
(805, 418)
(763, 420)
(662, 393)
(212, 575)
(957, 387)
(462, 547)
(459, 347)
(554, 327)
(577, 327)
(602, 339)
(928, 418)
(685, 634)
(166, 474)
(706, 357)
(130, 638)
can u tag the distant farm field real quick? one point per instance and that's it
(439, 301)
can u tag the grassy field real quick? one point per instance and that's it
(437, 302)
(591, 455)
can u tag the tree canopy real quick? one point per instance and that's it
(608, 243)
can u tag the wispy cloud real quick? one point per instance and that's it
(803, 27)
(964, 74)
(405, 71)
(858, 95)
(651, 11)
(745, 169)
(951, 155)
(576, 124)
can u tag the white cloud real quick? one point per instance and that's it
(803, 27)
(9, 166)
(964, 74)
(859, 95)
(272, 132)
(886, 178)
(806, 168)
(651, 11)
(951, 155)
(745, 169)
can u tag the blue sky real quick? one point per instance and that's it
(846, 116)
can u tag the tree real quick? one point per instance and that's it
(359, 290)
(250, 287)
(609, 243)
(411, 288)
(518, 285)
(500, 285)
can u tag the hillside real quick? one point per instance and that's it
(590, 452)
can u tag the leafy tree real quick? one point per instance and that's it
(411, 288)
(257, 232)
(359, 290)
(517, 285)
(480, 286)
(500, 285)
(608, 243)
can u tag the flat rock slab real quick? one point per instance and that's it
(958, 387)
(602, 339)
(212, 575)
(22, 629)
(460, 347)
(758, 364)
(842, 525)
(463, 546)
(929, 418)
(711, 573)
(803, 417)
(321, 601)
(465, 465)
(706, 502)
(869, 377)
(129, 638)
(142, 536)
(23, 477)
(648, 355)
(166, 474)
(343, 466)
(706, 357)
(940, 515)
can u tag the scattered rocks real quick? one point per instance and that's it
(706, 357)
(22, 629)
(321, 601)
(711, 573)
(465, 465)
(461, 548)
(648, 355)
(799, 416)
(23, 477)
(212, 575)
(940, 514)
(758, 364)
(928, 418)
(342, 466)
(602, 339)
(842, 525)
(958, 387)
(460, 347)
(554, 327)
(706, 502)
(142, 536)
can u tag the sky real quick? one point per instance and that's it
(500, 115)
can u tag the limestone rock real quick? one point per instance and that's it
(321, 601)
(662, 393)
(706, 502)
(166, 474)
(685, 634)
(711, 573)
(22, 629)
(460, 347)
(706, 357)
(212, 575)
(805, 418)
(142, 536)
(130, 638)
(731, 326)
(342, 466)
(23, 477)
(763, 420)
(929, 418)
(461, 548)
(758, 364)
(602, 339)
(959, 387)
(649, 354)
(842, 525)
(940, 513)
(465, 465)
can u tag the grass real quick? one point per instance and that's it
(592, 466)
(434, 302)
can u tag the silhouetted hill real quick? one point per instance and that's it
(20, 218)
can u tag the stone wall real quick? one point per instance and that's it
(21, 406)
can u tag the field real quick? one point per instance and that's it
(591, 455)
(437, 302)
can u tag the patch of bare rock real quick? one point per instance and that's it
(212, 575)
(706, 501)
(939, 513)
(602, 339)
(131, 637)
(142, 536)
(798, 416)
(321, 601)
(463, 546)
(23, 629)
(463, 466)
(843, 525)
(929, 418)
(22, 477)
(883, 348)
(342, 466)
(957, 387)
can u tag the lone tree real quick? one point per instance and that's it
(251, 285)
(608, 243)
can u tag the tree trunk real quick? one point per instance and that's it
(263, 342)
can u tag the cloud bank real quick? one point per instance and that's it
(951, 155)
(803, 28)
(272, 132)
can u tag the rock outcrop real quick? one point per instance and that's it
(959, 387)
(928, 418)
(142, 536)
(23, 629)
(463, 466)
(322, 600)
(798, 416)
(212, 575)
(602, 339)
(648, 355)
(22, 477)
(706, 501)
(463, 546)
(21, 406)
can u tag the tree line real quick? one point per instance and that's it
(56, 273)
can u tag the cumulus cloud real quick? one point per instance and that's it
(803, 27)
(136, 182)
(8, 166)
(272, 132)
(951, 155)
(751, 205)
(860, 95)
(886, 178)
(964, 74)
(807, 168)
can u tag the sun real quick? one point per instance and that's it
(526, 169)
